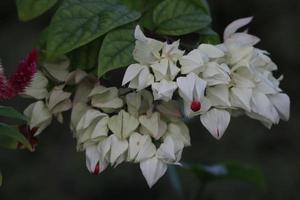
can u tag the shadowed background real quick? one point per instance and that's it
(57, 171)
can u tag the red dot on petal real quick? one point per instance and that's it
(195, 106)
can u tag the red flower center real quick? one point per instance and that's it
(195, 106)
(97, 169)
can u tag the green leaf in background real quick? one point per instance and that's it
(179, 17)
(29, 9)
(203, 4)
(116, 50)
(78, 22)
(229, 171)
(86, 57)
(11, 112)
(209, 36)
(10, 136)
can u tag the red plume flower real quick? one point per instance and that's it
(20, 79)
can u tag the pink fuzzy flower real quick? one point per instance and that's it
(20, 79)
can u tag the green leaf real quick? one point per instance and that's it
(203, 4)
(209, 36)
(86, 57)
(116, 50)
(179, 17)
(12, 113)
(29, 9)
(78, 22)
(10, 136)
(229, 171)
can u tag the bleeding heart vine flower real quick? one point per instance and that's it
(191, 89)
(144, 121)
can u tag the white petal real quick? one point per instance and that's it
(118, 147)
(170, 150)
(153, 169)
(261, 105)
(179, 132)
(58, 70)
(163, 90)
(240, 97)
(192, 62)
(123, 124)
(216, 121)
(211, 51)
(154, 125)
(88, 118)
(39, 116)
(199, 88)
(92, 157)
(131, 72)
(186, 86)
(234, 26)
(281, 102)
(218, 95)
(140, 147)
(78, 111)
(38, 87)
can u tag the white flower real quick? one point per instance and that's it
(147, 50)
(193, 62)
(179, 132)
(163, 90)
(210, 51)
(94, 160)
(58, 102)
(263, 110)
(191, 89)
(123, 124)
(165, 67)
(139, 102)
(216, 74)
(170, 150)
(38, 87)
(218, 95)
(78, 110)
(153, 169)
(91, 128)
(139, 77)
(153, 125)
(140, 148)
(281, 102)
(105, 98)
(244, 38)
(58, 70)
(39, 116)
(118, 150)
(216, 121)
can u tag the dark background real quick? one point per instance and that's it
(57, 171)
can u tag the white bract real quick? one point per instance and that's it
(38, 87)
(106, 99)
(138, 76)
(164, 90)
(39, 116)
(191, 89)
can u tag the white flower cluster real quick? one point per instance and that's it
(214, 81)
(144, 122)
